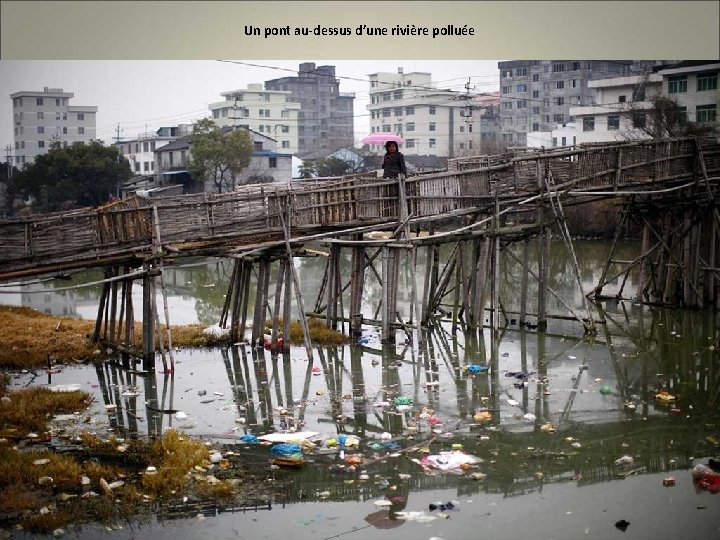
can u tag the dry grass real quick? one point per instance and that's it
(29, 337)
(174, 456)
(18, 469)
(30, 408)
(319, 333)
(47, 523)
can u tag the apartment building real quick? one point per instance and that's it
(694, 84)
(432, 121)
(41, 118)
(140, 151)
(536, 95)
(268, 112)
(325, 119)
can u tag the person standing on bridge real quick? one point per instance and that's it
(393, 162)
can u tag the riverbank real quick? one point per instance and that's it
(31, 339)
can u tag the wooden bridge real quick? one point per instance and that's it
(669, 186)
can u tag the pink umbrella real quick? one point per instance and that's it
(381, 138)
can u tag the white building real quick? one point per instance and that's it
(431, 121)
(619, 109)
(268, 112)
(695, 86)
(266, 164)
(43, 117)
(562, 135)
(140, 151)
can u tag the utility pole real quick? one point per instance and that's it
(8, 150)
(468, 117)
(117, 145)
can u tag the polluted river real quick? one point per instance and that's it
(549, 435)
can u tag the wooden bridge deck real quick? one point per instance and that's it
(254, 215)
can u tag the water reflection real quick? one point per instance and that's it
(598, 394)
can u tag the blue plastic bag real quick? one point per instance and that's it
(249, 438)
(285, 449)
(474, 369)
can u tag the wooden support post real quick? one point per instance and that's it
(287, 307)
(710, 293)
(101, 310)
(332, 287)
(244, 298)
(148, 361)
(481, 284)
(542, 241)
(113, 307)
(258, 323)
(686, 264)
(129, 319)
(227, 304)
(276, 310)
(496, 274)
(524, 281)
(642, 278)
(385, 312)
(357, 278)
(459, 261)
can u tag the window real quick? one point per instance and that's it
(622, 99)
(41, 129)
(563, 141)
(409, 111)
(39, 101)
(707, 81)
(638, 94)
(507, 137)
(410, 126)
(546, 85)
(589, 123)
(146, 166)
(386, 113)
(432, 126)
(272, 162)
(431, 110)
(286, 144)
(372, 115)
(536, 77)
(57, 116)
(613, 122)
(264, 97)
(224, 113)
(506, 89)
(573, 83)
(285, 129)
(677, 84)
(536, 126)
(469, 144)
(462, 129)
(373, 84)
(65, 133)
(41, 144)
(575, 67)
(152, 146)
(397, 94)
(129, 151)
(137, 146)
(431, 143)
(216, 113)
(559, 84)
(64, 116)
(522, 103)
(386, 96)
(81, 116)
(146, 146)
(264, 113)
(521, 88)
(397, 111)
(283, 113)
(554, 141)
(638, 120)
(137, 166)
(559, 101)
(706, 113)
(536, 94)
(470, 128)
(57, 102)
(397, 128)
(507, 105)
(559, 118)
(40, 115)
(521, 72)
(258, 144)
(505, 73)
(557, 68)
(536, 110)
(462, 146)
(386, 127)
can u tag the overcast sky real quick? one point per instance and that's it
(140, 94)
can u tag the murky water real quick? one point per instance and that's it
(598, 393)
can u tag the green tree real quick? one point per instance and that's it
(8, 188)
(666, 118)
(218, 155)
(76, 176)
(332, 166)
(307, 170)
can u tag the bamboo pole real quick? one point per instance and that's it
(276, 310)
(287, 307)
(524, 280)
(157, 242)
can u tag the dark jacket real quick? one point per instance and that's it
(393, 164)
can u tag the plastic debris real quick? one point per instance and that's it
(285, 449)
(706, 479)
(669, 481)
(622, 525)
(45, 480)
(605, 390)
(664, 396)
(43, 461)
(402, 400)
(287, 437)
(180, 415)
(482, 416)
(455, 460)
(382, 503)
(530, 417)
(475, 369)
(625, 461)
(547, 428)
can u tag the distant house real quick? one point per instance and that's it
(266, 165)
